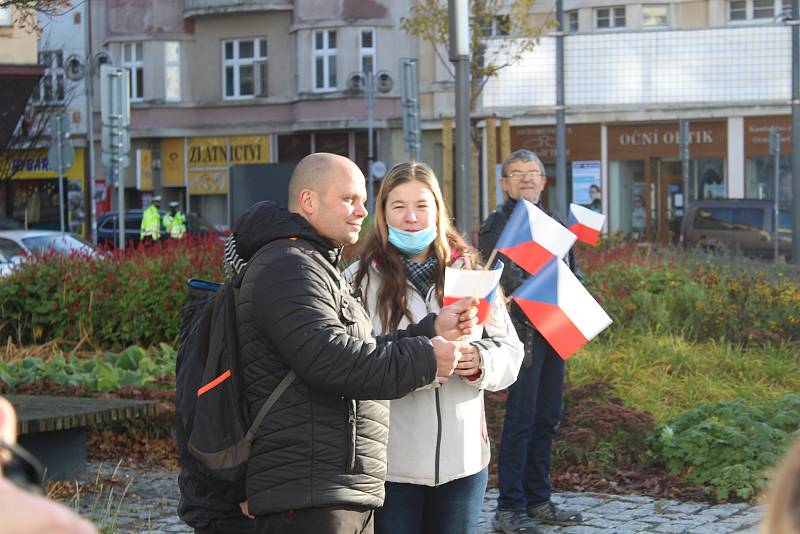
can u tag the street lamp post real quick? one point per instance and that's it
(458, 12)
(369, 83)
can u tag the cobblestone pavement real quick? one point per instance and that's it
(151, 499)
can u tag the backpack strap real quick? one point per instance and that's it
(271, 400)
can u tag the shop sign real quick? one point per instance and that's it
(583, 141)
(756, 135)
(27, 164)
(224, 151)
(210, 182)
(144, 170)
(640, 141)
(172, 162)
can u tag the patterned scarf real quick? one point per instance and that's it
(421, 275)
(232, 263)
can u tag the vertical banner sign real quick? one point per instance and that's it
(172, 163)
(144, 170)
(586, 188)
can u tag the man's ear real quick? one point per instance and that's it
(307, 201)
(504, 184)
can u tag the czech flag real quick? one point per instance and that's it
(460, 283)
(560, 308)
(585, 223)
(532, 238)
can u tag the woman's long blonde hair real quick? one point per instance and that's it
(392, 303)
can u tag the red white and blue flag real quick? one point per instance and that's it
(560, 308)
(460, 283)
(585, 223)
(532, 238)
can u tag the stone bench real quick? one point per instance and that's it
(54, 428)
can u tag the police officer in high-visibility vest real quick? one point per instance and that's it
(151, 222)
(175, 221)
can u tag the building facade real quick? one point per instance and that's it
(218, 83)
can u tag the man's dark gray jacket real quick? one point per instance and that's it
(324, 442)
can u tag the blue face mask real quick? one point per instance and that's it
(412, 243)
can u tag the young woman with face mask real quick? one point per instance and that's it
(438, 445)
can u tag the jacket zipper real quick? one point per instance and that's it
(351, 437)
(438, 437)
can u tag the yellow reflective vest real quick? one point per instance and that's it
(151, 223)
(175, 225)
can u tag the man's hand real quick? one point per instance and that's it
(245, 509)
(457, 319)
(447, 354)
(470, 362)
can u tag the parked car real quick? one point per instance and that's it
(16, 245)
(10, 224)
(737, 224)
(107, 227)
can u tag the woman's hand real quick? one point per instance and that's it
(470, 362)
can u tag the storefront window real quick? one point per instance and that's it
(760, 178)
(708, 178)
(293, 147)
(627, 197)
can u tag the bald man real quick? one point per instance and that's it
(319, 458)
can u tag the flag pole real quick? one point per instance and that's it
(491, 259)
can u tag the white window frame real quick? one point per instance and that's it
(612, 17)
(778, 8)
(665, 25)
(569, 16)
(134, 64)
(326, 53)
(172, 67)
(5, 17)
(52, 74)
(258, 62)
(366, 52)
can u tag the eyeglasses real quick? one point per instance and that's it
(518, 175)
(23, 469)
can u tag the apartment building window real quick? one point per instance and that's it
(133, 60)
(572, 21)
(5, 16)
(655, 15)
(742, 10)
(609, 17)
(172, 71)
(244, 68)
(366, 50)
(51, 86)
(325, 60)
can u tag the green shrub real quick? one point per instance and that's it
(728, 446)
(132, 367)
(127, 298)
(662, 289)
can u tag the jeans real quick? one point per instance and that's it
(533, 409)
(451, 508)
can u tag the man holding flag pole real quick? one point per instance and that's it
(534, 401)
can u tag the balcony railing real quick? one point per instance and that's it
(193, 8)
(710, 66)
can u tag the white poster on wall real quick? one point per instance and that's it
(586, 188)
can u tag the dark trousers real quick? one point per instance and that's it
(533, 409)
(229, 525)
(452, 508)
(329, 520)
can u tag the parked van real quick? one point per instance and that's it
(737, 224)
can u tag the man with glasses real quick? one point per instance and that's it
(533, 407)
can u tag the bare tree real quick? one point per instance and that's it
(28, 11)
